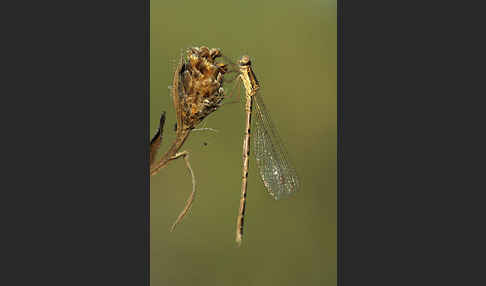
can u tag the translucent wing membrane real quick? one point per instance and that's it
(278, 174)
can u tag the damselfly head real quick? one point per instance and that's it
(245, 61)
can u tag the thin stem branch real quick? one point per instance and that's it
(168, 156)
(189, 200)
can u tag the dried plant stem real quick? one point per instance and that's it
(169, 155)
(166, 159)
(189, 200)
(197, 91)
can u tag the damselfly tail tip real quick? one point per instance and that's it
(238, 241)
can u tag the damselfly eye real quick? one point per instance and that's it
(245, 61)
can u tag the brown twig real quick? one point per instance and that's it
(181, 136)
(168, 156)
(189, 200)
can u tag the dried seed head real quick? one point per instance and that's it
(214, 53)
(204, 51)
(201, 79)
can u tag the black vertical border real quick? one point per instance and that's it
(76, 187)
(147, 120)
(409, 128)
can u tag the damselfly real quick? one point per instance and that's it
(277, 173)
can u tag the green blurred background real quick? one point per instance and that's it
(293, 45)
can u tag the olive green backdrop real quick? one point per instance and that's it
(293, 45)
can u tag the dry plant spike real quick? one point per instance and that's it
(157, 139)
(185, 155)
(197, 91)
(180, 136)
